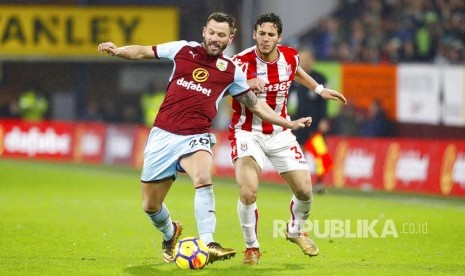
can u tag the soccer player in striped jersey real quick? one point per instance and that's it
(271, 68)
(180, 138)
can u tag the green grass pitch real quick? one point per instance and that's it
(66, 219)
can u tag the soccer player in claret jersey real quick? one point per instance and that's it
(180, 137)
(271, 68)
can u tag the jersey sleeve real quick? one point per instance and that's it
(239, 62)
(169, 50)
(296, 56)
(239, 86)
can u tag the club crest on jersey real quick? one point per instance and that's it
(244, 146)
(285, 68)
(221, 64)
(289, 70)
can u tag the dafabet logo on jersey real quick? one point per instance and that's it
(199, 75)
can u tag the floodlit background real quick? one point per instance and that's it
(395, 154)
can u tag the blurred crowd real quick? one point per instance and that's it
(391, 31)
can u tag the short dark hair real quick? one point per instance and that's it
(224, 17)
(270, 17)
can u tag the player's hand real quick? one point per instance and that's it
(301, 123)
(108, 47)
(329, 94)
(257, 84)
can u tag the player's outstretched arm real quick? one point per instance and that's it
(264, 112)
(257, 84)
(306, 80)
(127, 52)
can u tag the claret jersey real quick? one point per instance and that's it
(196, 86)
(278, 75)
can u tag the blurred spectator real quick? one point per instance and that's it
(9, 110)
(130, 114)
(407, 51)
(92, 111)
(376, 123)
(8, 105)
(305, 103)
(391, 51)
(110, 112)
(427, 36)
(151, 102)
(32, 105)
(347, 122)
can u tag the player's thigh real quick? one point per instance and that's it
(196, 158)
(285, 153)
(246, 144)
(247, 173)
(198, 166)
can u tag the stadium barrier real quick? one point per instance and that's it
(400, 165)
(404, 165)
(113, 144)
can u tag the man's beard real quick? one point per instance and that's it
(218, 52)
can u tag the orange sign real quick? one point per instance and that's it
(362, 84)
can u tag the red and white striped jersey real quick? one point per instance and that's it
(278, 75)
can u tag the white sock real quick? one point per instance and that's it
(204, 208)
(248, 216)
(300, 211)
(162, 221)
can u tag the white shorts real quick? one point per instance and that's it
(164, 151)
(281, 149)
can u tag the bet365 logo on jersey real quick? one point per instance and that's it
(278, 87)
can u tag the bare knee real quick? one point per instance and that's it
(248, 196)
(304, 192)
(202, 178)
(150, 206)
(153, 195)
(303, 195)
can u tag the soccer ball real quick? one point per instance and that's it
(191, 253)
